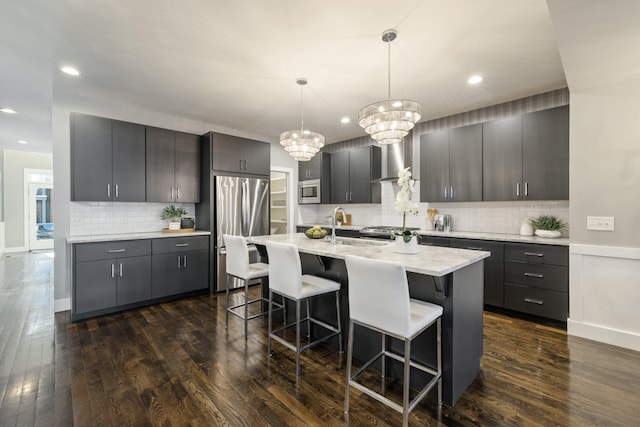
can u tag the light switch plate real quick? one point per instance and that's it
(600, 223)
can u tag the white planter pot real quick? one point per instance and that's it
(551, 234)
(402, 247)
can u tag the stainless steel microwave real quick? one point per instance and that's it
(309, 191)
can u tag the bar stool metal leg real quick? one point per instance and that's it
(270, 323)
(349, 356)
(297, 338)
(226, 322)
(246, 308)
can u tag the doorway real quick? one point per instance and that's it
(38, 209)
(281, 207)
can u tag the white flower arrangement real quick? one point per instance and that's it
(404, 200)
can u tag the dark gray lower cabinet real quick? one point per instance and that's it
(493, 268)
(179, 265)
(117, 275)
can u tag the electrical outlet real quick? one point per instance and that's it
(600, 223)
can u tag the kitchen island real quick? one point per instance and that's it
(451, 278)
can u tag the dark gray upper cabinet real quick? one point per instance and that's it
(128, 162)
(502, 159)
(355, 175)
(451, 165)
(173, 167)
(545, 152)
(313, 168)
(465, 164)
(434, 166)
(239, 155)
(107, 160)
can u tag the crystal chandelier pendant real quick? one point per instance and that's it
(301, 144)
(391, 120)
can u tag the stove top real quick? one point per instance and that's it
(383, 229)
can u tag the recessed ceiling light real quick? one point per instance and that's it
(70, 70)
(22, 141)
(474, 79)
(8, 110)
(345, 120)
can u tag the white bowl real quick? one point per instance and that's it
(551, 234)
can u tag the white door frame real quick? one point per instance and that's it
(290, 208)
(34, 243)
(27, 181)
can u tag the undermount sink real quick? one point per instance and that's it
(358, 242)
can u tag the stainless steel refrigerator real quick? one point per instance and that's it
(240, 207)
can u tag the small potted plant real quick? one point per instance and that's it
(173, 214)
(548, 226)
(406, 240)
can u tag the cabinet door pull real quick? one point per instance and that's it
(445, 191)
(346, 196)
(518, 189)
(120, 269)
(537, 276)
(115, 251)
(184, 261)
(526, 188)
(245, 165)
(181, 245)
(534, 254)
(178, 263)
(116, 186)
(109, 190)
(350, 196)
(534, 301)
(113, 271)
(171, 193)
(451, 193)
(177, 193)
(240, 167)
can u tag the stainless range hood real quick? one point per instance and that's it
(396, 157)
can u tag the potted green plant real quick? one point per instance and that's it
(548, 226)
(173, 214)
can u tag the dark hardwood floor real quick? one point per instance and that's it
(175, 364)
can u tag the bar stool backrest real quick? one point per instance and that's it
(237, 255)
(379, 294)
(285, 271)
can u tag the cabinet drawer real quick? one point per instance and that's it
(540, 302)
(434, 241)
(179, 244)
(539, 254)
(553, 277)
(110, 250)
(496, 249)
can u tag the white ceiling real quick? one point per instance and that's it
(234, 63)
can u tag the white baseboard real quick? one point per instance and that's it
(604, 334)
(63, 304)
(16, 249)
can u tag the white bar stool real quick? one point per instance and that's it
(286, 279)
(379, 300)
(238, 266)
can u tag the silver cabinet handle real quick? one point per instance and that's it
(534, 301)
(120, 269)
(346, 196)
(451, 193)
(518, 189)
(537, 276)
(181, 245)
(109, 190)
(184, 261)
(116, 190)
(350, 196)
(178, 263)
(171, 193)
(113, 270)
(115, 251)
(245, 165)
(445, 192)
(177, 193)
(526, 188)
(534, 254)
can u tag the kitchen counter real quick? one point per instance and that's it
(430, 260)
(498, 237)
(451, 278)
(132, 236)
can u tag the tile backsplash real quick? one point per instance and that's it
(487, 217)
(93, 218)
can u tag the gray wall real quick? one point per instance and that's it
(14, 164)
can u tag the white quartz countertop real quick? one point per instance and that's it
(430, 260)
(132, 236)
(499, 237)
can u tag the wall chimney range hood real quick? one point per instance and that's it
(396, 157)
